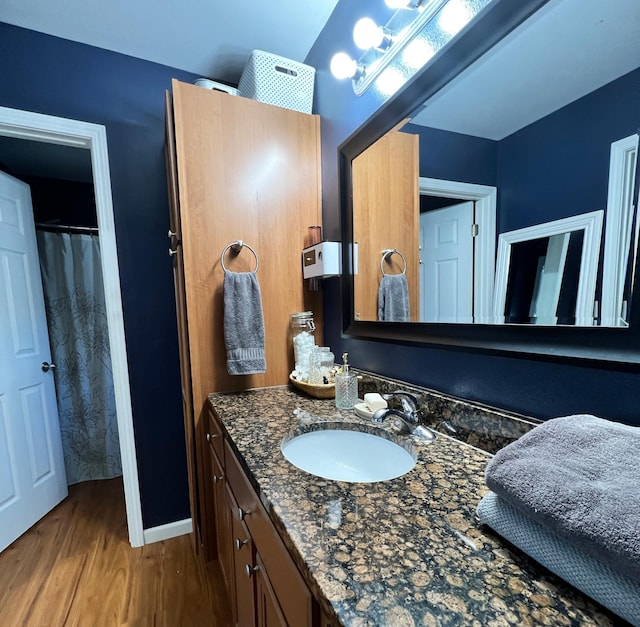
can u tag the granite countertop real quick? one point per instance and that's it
(404, 552)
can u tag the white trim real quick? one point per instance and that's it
(592, 225)
(170, 530)
(619, 222)
(66, 132)
(484, 259)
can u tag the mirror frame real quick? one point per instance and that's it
(610, 346)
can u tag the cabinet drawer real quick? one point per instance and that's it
(290, 588)
(214, 433)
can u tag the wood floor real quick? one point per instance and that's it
(76, 568)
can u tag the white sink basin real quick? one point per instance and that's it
(347, 455)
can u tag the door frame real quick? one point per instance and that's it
(74, 133)
(484, 250)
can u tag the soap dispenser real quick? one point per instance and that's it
(346, 386)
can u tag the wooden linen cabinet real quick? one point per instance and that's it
(237, 169)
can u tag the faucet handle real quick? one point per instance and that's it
(408, 400)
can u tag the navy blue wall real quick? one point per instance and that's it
(558, 166)
(535, 387)
(456, 157)
(58, 77)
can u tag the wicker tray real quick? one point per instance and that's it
(317, 391)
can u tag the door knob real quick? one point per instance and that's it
(46, 366)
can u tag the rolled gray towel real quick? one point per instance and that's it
(580, 477)
(243, 323)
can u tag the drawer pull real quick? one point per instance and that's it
(217, 478)
(242, 513)
(250, 569)
(211, 436)
(240, 543)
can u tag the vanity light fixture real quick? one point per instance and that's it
(413, 35)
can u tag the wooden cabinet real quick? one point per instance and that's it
(263, 583)
(238, 169)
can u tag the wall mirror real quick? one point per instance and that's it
(529, 117)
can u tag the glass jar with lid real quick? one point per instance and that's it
(302, 329)
(321, 362)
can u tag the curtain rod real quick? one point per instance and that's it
(64, 228)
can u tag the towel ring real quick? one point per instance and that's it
(236, 247)
(387, 252)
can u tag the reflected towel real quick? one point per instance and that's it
(393, 298)
(243, 323)
(578, 476)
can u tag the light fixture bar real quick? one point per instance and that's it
(375, 68)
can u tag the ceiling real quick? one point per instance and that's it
(212, 38)
(566, 50)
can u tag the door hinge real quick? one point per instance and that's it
(474, 230)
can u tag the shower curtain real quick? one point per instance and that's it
(78, 332)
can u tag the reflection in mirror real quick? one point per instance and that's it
(539, 128)
(546, 274)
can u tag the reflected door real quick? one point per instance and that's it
(385, 215)
(32, 477)
(447, 264)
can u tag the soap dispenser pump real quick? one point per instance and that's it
(346, 386)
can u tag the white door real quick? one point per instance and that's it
(546, 290)
(446, 281)
(32, 477)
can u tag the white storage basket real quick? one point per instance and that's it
(278, 81)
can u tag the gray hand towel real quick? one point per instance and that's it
(580, 477)
(243, 323)
(393, 298)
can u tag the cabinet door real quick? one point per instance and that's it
(268, 611)
(175, 245)
(244, 569)
(224, 525)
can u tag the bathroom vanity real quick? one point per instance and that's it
(300, 550)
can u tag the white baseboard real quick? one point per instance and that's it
(170, 530)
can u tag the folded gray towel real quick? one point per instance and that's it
(393, 298)
(621, 594)
(580, 477)
(243, 323)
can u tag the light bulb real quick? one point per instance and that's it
(454, 17)
(417, 53)
(367, 34)
(343, 66)
(390, 81)
(397, 4)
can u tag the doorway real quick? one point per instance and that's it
(446, 261)
(484, 198)
(65, 132)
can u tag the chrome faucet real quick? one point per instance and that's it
(408, 417)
